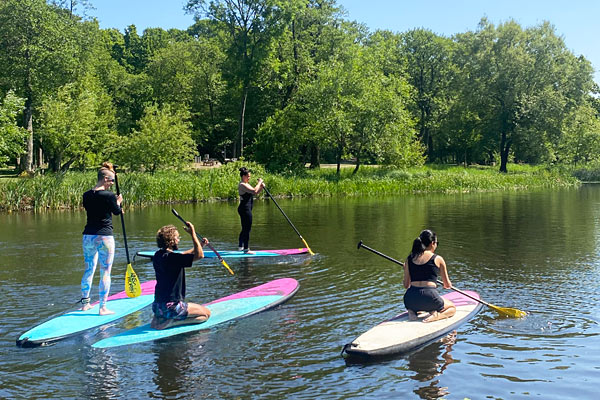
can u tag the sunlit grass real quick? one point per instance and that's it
(139, 189)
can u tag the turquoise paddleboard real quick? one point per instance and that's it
(235, 306)
(239, 254)
(74, 322)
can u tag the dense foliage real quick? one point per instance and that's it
(63, 190)
(286, 83)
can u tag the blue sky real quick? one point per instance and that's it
(576, 20)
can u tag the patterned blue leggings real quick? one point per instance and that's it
(97, 248)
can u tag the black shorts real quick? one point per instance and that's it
(423, 299)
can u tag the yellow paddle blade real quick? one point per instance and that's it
(511, 312)
(306, 245)
(132, 283)
(226, 266)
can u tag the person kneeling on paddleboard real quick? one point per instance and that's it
(421, 271)
(169, 306)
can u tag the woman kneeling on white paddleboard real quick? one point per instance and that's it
(169, 306)
(421, 271)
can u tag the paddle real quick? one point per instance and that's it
(290, 222)
(510, 312)
(132, 283)
(209, 245)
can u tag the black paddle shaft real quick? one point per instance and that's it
(175, 213)
(286, 217)
(122, 218)
(360, 244)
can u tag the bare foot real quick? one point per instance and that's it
(105, 311)
(249, 252)
(412, 316)
(433, 316)
(85, 307)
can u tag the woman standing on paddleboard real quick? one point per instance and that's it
(247, 193)
(98, 239)
(421, 271)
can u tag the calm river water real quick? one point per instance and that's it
(536, 251)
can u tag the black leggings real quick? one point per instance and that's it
(246, 217)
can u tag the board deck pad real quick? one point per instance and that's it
(74, 322)
(238, 305)
(399, 335)
(239, 254)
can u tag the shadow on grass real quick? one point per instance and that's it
(8, 173)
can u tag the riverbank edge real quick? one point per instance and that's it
(64, 191)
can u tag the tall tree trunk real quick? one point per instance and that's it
(357, 166)
(315, 156)
(29, 127)
(242, 117)
(40, 155)
(28, 114)
(504, 151)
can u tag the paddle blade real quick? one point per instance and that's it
(509, 312)
(132, 283)
(306, 245)
(226, 266)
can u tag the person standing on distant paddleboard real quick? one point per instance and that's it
(421, 271)
(169, 307)
(98, 239)
(247, 193)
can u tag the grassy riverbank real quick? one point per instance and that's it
(64, 191)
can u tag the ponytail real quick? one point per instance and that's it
(422, 242)
(105, 170)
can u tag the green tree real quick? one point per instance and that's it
(77, 125)
(427, 59)
(580, 142)
(41, 51)
(163, 141)
(521, 85)
(350, 107)
(130, 92)
(12, 137)
(252, 26)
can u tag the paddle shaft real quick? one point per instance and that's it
(503, 310)
(360, 244)
(288, 219)
(197, 235)
(208, 244)
(122, 218)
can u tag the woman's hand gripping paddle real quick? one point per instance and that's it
(132, 283)
(509, 312)
(209, 245)
(290, 222)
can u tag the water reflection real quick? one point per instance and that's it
(535, 251)
(431, 362)
(103, 375)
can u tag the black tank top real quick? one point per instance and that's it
(246, 201)
(427, 272)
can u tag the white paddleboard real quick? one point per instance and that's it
(399, 335)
